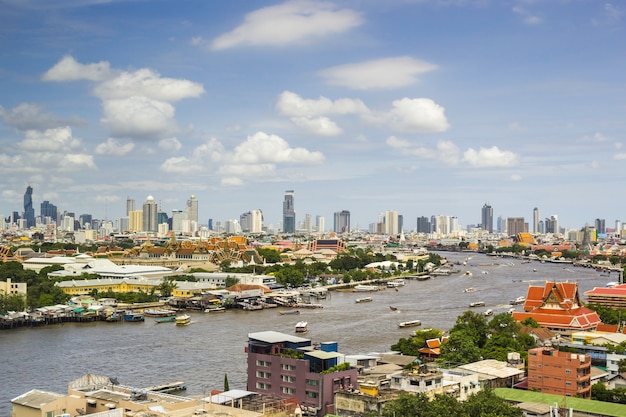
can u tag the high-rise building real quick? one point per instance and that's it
(320, 224)
(536, 220)
(84, 220)
(552, 224)
(48, 210)
(342, 221)
(177, 221)
(252, 221)
(289, 213)
(561, 373)
(515, 225)
(308, 223)
(150, 223)
(192, 209)
(391, 223)
(130, 205)
(423, 225)
(29, 211)
(487, 218)
(600, 225)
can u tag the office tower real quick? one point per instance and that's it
(29, 211)
(536, 220)
(552, 224)
(454, 224)
(135, 221)
(149, 219)
(177, 221)
(423, 225)
(501, 224)
(252, 221)
(130, 205)
(85, 219)
(342, 221)
(442, 225)
(48, 210)
(210, 224)
(192, 209)
(400, 223)
(320, 224)
(308, 223)
(515, 225)
(232, 227)
(618, 226)
(391, 222)
(542, 227)
(600, 225)
(162, 217)
(486, 222)
(289, 214)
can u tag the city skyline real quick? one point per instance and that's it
(419, 107)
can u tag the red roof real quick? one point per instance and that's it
(565, 294)
(616, 291)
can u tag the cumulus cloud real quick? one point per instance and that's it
(138, 117)
(31, 116)
(292, 104)
(321, 126)
(619, 156)
(262, 148)
(136, 104)
(147, 83)
(68, 69)
(43, 152)
(377, 74)
(51, 140)
(170, 145)
(416, 115)
(397, 143)
(527, 17)
(114, 147)
(288, 23)
(182, 165)
(490, 157)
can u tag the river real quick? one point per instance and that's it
(144, 354)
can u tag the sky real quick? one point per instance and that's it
(425, 107)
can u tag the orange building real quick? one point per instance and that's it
(557, 306)
(560, 373)
(614, 297)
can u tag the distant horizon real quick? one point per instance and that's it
(424, 107)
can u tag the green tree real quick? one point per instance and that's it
(475, 325)
(486, 403)
(530, 322)
(407, 405)
(460, 348)
(230, 281)
(289, 276)
(167, 286)
(226, 386)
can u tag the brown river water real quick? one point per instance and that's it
(144, 354)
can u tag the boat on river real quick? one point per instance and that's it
(159, 312)
(167, 319)
(302, 327)
(395, 283)
(488, 312)
(183, 320)
(289, 312)
(364, 300)
(411, 323)
(215, 309)
(470, 289)
(365, 288)
(477, 304)
(133, 317)
(518, 300)
(393, 308)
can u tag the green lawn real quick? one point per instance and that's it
(578, 404)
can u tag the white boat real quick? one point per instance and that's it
(216, 309)
(183, 320)
(395, 283)
(612, 284)
(411, 323)
(302, 327)
(364, 300)
(365, 288)
(518, 300)
(488, 312)
(477, 304)
(470, 289)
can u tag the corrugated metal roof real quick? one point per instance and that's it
(36, 398)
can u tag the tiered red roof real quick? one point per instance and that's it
(556, 305)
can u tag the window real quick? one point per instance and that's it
(568, 371)
(288, 378)
(261, 374)
(310, 394)
(263, 385)
(49, 413)
(263, 363)
(312, 382)
(287, 390)
(287, 367)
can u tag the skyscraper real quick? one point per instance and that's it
(48, 210)
(423, 225)
(150, 223)
(487, 218)
(29, 211)
(342, 222)
(192, 209)
(536, 220)
(289, 213)
(391, 223)
(130, 205)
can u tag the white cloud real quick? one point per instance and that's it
(170, 145)
(248, 170)
(377, 74)
(490, 157)
(231, 181)
(182, 165)
(288, 23)
(136, 104)
(291, 104)
(68, 69)
(262, 148)
(212, 150)
(527, 17)
(322, 126)
(516, 177)
(417, 115)
(619, 156)
(30, 116)
(448, 152)
(147, 83)
(114, 147)
(74, 162)
(59, 140)
(397, 143)
(138, 117)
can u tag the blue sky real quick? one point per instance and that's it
(424, 107)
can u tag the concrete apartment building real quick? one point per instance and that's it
(562, 373)
(288, 366)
